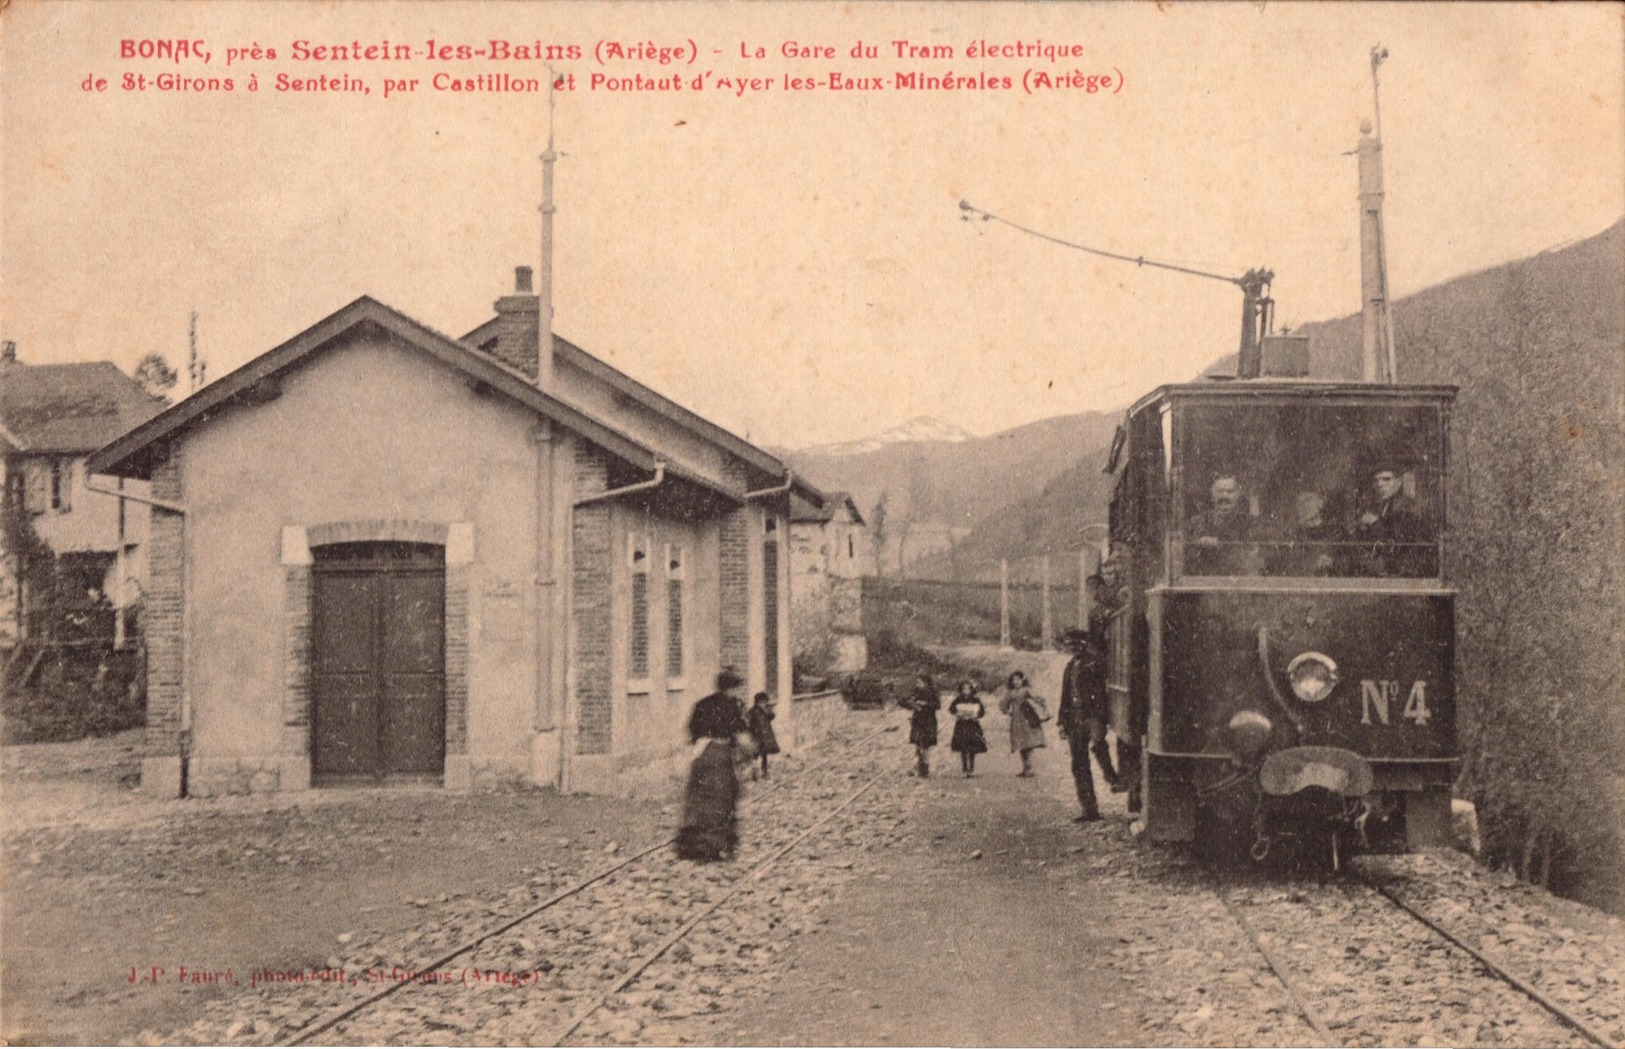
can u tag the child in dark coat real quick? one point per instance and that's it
(922, 723)
(760, 720)
(967, 711)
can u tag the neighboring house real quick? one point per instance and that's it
(381, 553)
(829, 556)
(52, 416)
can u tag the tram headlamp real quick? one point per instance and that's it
(1249, 733)
(1312, 676)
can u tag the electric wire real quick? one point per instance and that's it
(1138, 260)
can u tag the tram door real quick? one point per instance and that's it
(378, 661)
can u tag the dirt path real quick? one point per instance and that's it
(967, 939)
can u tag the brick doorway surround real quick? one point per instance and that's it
(297, 540)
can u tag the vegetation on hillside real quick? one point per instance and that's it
(1537, 538)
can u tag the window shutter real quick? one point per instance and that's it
(37, 487)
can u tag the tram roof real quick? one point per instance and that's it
(1231, 390)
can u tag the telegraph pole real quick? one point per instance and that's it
(1377, 334)
(196, 367)
(1046, 621)
(1004, 604)
(544, 287)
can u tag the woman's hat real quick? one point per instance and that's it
(728, 678)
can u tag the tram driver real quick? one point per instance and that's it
(1393, 525)
(1222, 533)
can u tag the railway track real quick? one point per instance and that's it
(1332, 956)
(567, 965)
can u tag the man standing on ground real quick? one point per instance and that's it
(1082, 718)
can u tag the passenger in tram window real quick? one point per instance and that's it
(968, 740)
(1393, 525)
(922, 723)
(1221, 533)
(1313, 548)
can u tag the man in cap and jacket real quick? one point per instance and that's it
(1082, 715)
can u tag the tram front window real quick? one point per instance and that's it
(1306, 490)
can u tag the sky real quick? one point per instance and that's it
(790, 263)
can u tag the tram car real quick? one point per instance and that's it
(1280, 631)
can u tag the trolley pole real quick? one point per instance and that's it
(1047, 624)
(1004, 604)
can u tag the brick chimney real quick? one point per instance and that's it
(518, 325)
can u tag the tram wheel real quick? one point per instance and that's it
(1220, 842)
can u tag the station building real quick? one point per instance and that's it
(829, 556)
(380, 553)
(52, 416)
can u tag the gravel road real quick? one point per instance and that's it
(940, 911)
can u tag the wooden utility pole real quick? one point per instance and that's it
(1004, 604)
(1046, 621)
(1083, 588)
(1377, 337)
(196, 367)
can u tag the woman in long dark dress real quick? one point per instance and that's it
(922, 724)
(710, 829)
(967, 710)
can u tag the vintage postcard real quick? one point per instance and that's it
(499, 497)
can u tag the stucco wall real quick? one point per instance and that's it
(650, 715)
(365, 430)
(91, 520)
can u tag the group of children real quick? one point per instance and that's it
(967, 710)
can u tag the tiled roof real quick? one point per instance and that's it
(71, 407)
(484, 338)
(131, 453)
(803, 511)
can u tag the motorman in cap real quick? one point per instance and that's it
(1082, 716)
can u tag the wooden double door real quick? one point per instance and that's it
(378, 662)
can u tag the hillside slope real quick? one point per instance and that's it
(958, 483)
(1566, 306)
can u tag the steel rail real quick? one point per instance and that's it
(325, 1023)
(1276, 967)
(755, 874)
(1495, 967)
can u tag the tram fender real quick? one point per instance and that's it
(1331, 768)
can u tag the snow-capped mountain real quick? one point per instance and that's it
(919, 428)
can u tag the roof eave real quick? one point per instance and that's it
(126, 451)
(765, 462)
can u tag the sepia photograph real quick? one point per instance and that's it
(740, 524)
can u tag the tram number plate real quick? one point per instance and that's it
(1379, 696)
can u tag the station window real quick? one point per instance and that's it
(638, 635)
(770, 608)
(62, 484)
(676, 575)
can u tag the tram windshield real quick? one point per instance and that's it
(1309, 490)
